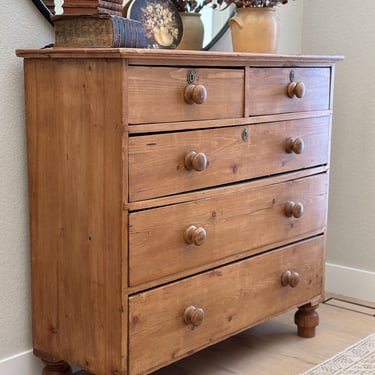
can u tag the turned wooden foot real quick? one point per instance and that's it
(306, 319)
(56, 368)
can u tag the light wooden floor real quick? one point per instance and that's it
(273, 348)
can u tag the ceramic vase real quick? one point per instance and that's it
(255, 30)
(193, 31)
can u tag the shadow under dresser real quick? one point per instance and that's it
(176, 198)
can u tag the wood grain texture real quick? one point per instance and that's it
(242, 222)
(157, 161)
(75, 189)
(159, 57)
(226, 189)
(273, 347)
(219, 210)
(158, 93)
(199, 124)
(233, 298)
(268, 90)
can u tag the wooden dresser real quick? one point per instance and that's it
(176, 199)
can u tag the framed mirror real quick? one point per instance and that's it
(40, 4)
(215, 22)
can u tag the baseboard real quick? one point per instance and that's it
(24, 363)
(350, 282)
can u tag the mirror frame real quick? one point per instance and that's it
(43, 9)
(47, 14)
(221, 32)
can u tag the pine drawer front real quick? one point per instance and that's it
(156, 94)
(232, 298)
(163, 164)
(268, 89)
(198, 233)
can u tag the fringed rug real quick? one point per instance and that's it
(358, 359)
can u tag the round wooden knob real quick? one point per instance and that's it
(195, 235)
(294, 209)
(300, 90)
(195, 94)
(194, 316)
(296, 89)
(295, 145)
(290, 278)
(195, 160)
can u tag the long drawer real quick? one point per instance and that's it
(283, 90)
(166, 241)
(172, 321)
(157, 94)
(164, 164)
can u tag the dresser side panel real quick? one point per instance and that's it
(74, 135)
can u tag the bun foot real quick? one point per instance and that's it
(306, 319)
(56, 368)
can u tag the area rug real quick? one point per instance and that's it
(358, 359)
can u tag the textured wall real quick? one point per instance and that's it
(347, 28)
(20, 26)
(291, 20)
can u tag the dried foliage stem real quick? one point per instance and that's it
(190, 6)
(252, 3)
(195, 6)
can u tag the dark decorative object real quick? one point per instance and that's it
(161, 21)
(46, 12)
(252, 3)
(190, 6)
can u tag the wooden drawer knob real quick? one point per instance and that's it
(194, 316)
(195, 160)
(296, 89)
(294, 209)
(194, 235)
(195, 94)
(295, 145)
(289, 278)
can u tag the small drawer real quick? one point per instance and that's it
(164, 164)
(283, 90)
(167, 94)
(195, 234)
(173, 321)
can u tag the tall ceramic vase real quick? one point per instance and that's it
(255, 30)
(193, 31)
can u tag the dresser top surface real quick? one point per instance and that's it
(158, 56)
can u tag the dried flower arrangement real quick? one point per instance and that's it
(194, 6)
(258, 3)
(251, 3)
(190, 6)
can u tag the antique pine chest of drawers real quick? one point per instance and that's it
(176, 198)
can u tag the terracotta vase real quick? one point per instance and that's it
(255, 30)
(193, 31)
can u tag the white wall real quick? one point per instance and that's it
(291, 20)
(21, 26)
(347, 28)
